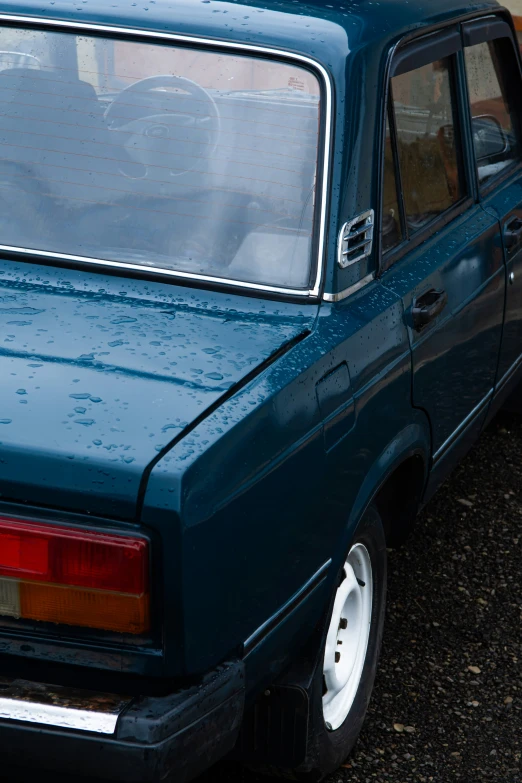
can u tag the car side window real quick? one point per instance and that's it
(428, 144)
(495, 133)
(391, 220)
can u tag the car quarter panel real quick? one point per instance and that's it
(258, 497)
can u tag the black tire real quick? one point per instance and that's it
(327, 749)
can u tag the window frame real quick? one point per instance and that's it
(318, 258)
(390, 116)
(441, 44)
(474, 33)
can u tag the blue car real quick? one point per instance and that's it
(260, 291)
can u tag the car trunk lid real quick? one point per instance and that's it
(99, 374)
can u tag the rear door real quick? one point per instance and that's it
(442, 252)
(495, 98)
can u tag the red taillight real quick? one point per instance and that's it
(47, 561)
(21, 552)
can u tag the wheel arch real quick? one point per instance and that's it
(399, 498)
(408, 452)
(402, 465)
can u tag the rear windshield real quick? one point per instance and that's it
(182, 159)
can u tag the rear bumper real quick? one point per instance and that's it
(180, 734)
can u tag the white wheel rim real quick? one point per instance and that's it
(347, 639)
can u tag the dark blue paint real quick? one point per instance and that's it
(109, 371)
(336, 405)
(455, 358)
(215, 490)
(156, 405)
(506, 204)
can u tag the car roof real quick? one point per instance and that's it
(318, 29)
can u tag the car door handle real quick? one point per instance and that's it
(427, 307)
(513, 233)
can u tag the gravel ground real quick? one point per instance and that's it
(447, 704)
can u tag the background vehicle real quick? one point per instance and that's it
(261, 287)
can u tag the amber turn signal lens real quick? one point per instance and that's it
(118, 612)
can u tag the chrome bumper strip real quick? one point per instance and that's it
(53, 705)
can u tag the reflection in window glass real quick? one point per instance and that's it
(426, 142)
(494, 138)
(391, 223)
(190, 160)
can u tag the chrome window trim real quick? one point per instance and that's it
(322, 158)
(25, 251)
(350, 290)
